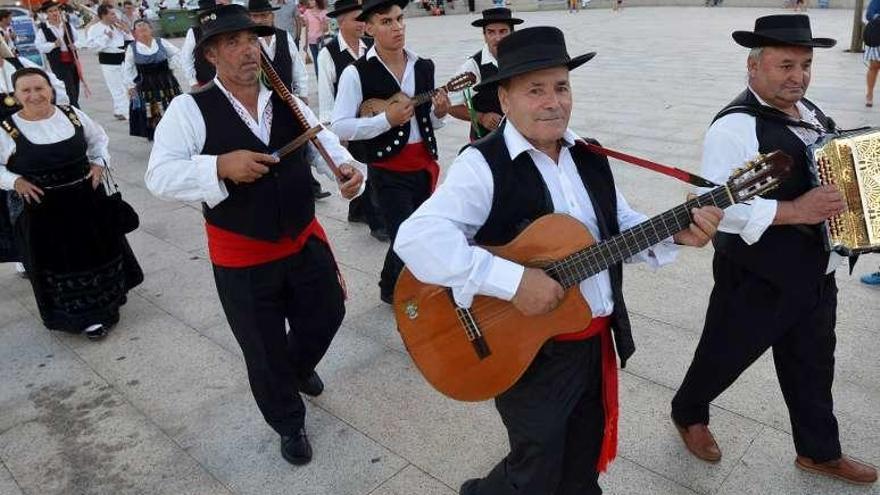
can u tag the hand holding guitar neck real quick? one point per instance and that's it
(375, 106)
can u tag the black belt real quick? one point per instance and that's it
(111, 58)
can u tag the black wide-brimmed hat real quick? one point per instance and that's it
(532, 49)
(496, 15)
(228, 19)
(48, 4)
(342, 6)
(782, 30)
(257, 6)
(206, 4)
(369, 6)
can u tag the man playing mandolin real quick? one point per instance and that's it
(561, 414)
(398, 143)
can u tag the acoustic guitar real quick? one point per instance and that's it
(375, 106)
(476, 353)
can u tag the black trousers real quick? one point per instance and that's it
(746, 316)
(555, 421)
(67, 74)
(399, 194)
(302, 289)
(366, 208)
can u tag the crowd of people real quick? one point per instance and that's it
(218, 139)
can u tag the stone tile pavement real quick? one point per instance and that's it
(163, 407)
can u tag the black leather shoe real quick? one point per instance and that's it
(311, 385)
(380, 235)
(386, 298)
(296, 449)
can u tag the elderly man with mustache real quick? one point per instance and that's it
(774, 281)
(272, 263)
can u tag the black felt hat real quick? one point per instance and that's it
(782, 30)
(48, 4)
(369, 6)
(228, 19)
(496, 15)
(531, 49)
(256, 6)
(206, 4)
(342, 6)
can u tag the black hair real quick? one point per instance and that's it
(30, 71)
(103, 10)
(138, 22)
(5, 14)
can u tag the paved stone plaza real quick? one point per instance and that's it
(162, 406)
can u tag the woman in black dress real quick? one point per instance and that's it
(70, 233)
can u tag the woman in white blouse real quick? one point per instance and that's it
(69, 232)
(149, 78)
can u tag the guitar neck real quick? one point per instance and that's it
(587, 262)
(422, 98)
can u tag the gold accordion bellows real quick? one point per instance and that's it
(852, 162)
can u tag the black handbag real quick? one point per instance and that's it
(871, 34)
(120, 215)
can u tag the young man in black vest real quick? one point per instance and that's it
(339, 53)
(196, 69)
(270, 255)
(497, 23)
(774, 281)
(398, 144)
(56, 39)
(561, 416)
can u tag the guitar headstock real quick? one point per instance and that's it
(759, 175)
(461, 82)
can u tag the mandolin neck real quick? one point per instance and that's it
(425, 97)
(589, 261)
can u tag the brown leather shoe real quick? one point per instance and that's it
(846, 469)
(699, 440)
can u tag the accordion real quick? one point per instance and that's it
(851, 160)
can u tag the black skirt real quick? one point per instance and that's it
(156, 87)
(78, 262)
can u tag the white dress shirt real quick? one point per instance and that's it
(178, 170)
(349, 97)
(52, 130)
(107, 39)
(45, 46)
(129, 67)
(470, 65)
(299, 75)
(187, 58)
(327, 75)
(730, 142)
(436, 241)
(8, 70)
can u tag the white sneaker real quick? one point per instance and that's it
(19, 269)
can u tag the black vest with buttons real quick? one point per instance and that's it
(520, 196)
(54, 57)
(205, 72)
(282, 62)
(790, 257)
(486, 100)
(377, 82)
(342, 59)
(278, 204)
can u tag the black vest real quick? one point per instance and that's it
(278, 204)
(49, 164)
(521, 196)
(205, 72)
(282, 62)
(342, 59)
(791, 257)
(54, 57)
(486, 100)
(377, 82)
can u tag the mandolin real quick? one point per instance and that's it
(477, 353)
(375, 106)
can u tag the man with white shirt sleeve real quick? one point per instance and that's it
(57, 40)
(529, 167)
(774, 280)
(271, 259)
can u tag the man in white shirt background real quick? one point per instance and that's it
(108, 37)
(57, 40)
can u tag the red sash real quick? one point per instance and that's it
(602, 326)
(231, 250)
(66, 57)
(412, 158)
